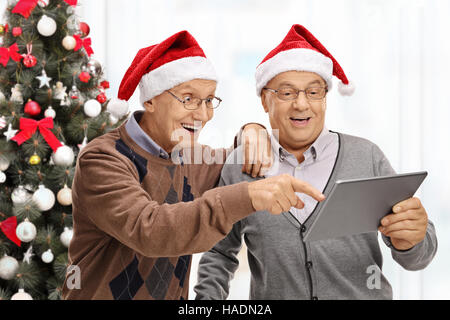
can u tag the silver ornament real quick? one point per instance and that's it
(26, 231)
(94, 67)
(44, 198)
(66, 236)
(20, 195)
(47, 256)
(8, 267)
(2, 177)
(73, 24)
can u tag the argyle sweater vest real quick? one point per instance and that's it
(137, 220)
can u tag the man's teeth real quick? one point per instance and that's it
(300, 119)
(190, 126)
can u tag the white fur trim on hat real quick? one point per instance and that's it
(294, 60)
(174, 73)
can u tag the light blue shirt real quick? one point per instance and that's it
(315, 169)
(139, 136)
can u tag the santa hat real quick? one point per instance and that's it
(301, 51)
(165, 65)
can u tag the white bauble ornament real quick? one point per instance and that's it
(47, 256)
(26, 231)
(69, 43)
(44, 198)
(4, 163)
(63, 156)
(21, 295)
(20, 195)
(64, 196)
(2, 177)
(92, 108)
(66, 236)
(113, 119)
(8, 267)
(46, 26)
(50, 112)
(117, 107)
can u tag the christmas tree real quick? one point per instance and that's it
(52, 102)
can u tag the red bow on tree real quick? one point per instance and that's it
(8, 227)
(24, 7)
(11, 52)
(86, 43)
(29, 127)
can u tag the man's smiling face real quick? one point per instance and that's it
(167, 117)
(299, 121)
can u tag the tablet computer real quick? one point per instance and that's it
(358, 205)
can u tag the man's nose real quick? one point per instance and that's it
(302, 102)
(202, 113)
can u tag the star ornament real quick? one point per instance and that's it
(27, 256)
(10, 133)
(45, 81)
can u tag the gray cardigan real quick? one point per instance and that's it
(283, 266)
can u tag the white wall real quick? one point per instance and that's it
(395, 51)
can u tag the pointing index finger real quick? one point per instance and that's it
(304, 187)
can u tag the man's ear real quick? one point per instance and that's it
(149, 105)
(263, 102)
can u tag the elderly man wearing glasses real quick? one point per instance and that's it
(293, 81)
(138, 215)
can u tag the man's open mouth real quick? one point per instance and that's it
(300, 121)
(190, 127)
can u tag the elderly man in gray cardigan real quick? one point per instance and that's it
(293, 81)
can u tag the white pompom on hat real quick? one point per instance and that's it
(301, 51)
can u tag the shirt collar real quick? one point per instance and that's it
(139, 136)
(313, 152)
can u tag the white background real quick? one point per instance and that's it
(396, 52)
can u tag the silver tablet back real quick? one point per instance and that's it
(357, 205)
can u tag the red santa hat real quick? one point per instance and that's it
(301, 51)
(165, 65)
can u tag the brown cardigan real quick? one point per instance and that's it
(138, 218)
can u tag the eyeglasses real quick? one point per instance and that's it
(193, 103)
(287, 94)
